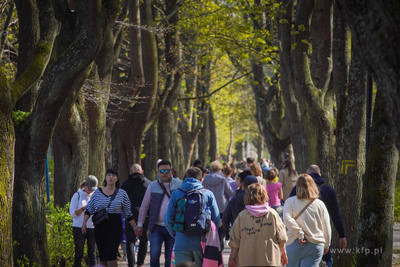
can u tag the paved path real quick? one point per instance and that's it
(227, 251)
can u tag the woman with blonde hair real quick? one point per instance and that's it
(256, 171)
(287, 177)
(308, 224)
(258, 235)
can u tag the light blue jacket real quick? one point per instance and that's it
(182, 241)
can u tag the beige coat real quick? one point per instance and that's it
(258, 238)
(287, 181)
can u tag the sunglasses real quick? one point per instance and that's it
(166, 171)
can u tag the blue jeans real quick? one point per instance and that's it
(307, 255)
(188, 256)
(159, 235)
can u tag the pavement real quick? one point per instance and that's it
(227, 251)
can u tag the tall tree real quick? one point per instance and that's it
(374, 27)
(29, 227)
(349, 81)
(376, 219)
(10, 93)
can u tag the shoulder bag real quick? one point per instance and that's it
(102, 214)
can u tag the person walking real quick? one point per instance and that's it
(308, 223)
(155, 202)
(274, 190)
(77, 208)
(258, 235)
(287, 177)
(327, 195)
(108, 232)
(188, 247)
(136, 187)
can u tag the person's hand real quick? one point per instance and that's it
(84, 228)
(343, 242)
(326, 250)
(302, 241)
(231, 263)
(139, 231)
(284, 259)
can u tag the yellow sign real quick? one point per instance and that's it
(346, 164)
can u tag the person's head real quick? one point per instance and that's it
(215, 166)
(250, 161)
(136, 168)
(255, 169)
(111, 177)
(240, 178)
(164, 170)
(249, 180)
(90, 184)
(287, 164)
(306, 187)
(227, 171)
(271, 174)
(194, 172)
(314, 169)
(197, 163)
(256, 194)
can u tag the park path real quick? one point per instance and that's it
(227, 251)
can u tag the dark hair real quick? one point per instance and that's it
(227, 171)
(164, 162)
(194, 172)
(289, 166)
(112, 171)
(244, 174)
(250, 160)
(197, 163)
(271, 174)
(203, 170)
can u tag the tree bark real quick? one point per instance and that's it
(150, 144)
(376, 220)
(29, 228)
(212, 152)
(350, 84)
(374, 27)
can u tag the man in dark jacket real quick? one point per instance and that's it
(328, 196)
(136, 186)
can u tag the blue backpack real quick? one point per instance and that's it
(190, 217)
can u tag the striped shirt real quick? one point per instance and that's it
(100, 201)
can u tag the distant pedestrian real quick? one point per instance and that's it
(256, 171)
(287, 177)
(136, 186)
(77, 209)
(274, 190)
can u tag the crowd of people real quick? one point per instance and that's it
(266, 216)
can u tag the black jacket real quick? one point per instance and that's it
(136, 187)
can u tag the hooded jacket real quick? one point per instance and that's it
(234, 207)
(182, 241)
(218, 184)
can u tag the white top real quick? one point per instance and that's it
(313, 224)
(77, 202)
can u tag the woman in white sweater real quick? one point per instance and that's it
(77, 210)
(308, 224)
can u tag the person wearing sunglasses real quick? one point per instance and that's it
(155, 203)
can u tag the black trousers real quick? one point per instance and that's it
(79, 240)
(130, 244)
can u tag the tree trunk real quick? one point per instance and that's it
(150, 145)
(70, 150)
(212, 152)
(376, 220)
(293, 114)
(29, 224)
(7, 142)
(203, 140)
(350, 135)
(374, 27)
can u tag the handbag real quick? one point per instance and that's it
(102, 214)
